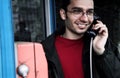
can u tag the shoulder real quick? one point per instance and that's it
(49, 41)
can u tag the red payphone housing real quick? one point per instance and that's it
(32, 55)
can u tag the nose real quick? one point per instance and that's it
(83, 17)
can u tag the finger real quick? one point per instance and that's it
(103, 30)
(97, 26)
(99, 22)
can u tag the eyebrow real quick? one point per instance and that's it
(81, 8)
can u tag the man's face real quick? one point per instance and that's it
(79, 16)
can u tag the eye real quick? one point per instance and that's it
(77, 11)
(90, 12)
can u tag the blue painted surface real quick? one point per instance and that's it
(0, 41)
(0, 62)
(52, 15)
(7, 57)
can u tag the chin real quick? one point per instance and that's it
(82, 31)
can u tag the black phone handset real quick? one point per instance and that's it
(92, 32)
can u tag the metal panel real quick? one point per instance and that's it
(32, 56)
(50, 16)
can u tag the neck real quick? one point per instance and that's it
(72, 37)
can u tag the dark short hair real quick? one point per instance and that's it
(64, 4)
(61, 4)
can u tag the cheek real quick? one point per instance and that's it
(69, 25)
(68, 22)
(71, 21)
(91, 20)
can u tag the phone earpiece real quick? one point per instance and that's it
(91, 32)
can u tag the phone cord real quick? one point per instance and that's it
(91, 72)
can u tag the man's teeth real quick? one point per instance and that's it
(81, 24)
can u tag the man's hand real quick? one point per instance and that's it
(101, 38)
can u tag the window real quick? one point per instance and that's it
(29, 20)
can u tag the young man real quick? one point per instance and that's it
(68, 51)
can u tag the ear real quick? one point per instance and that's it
(62, 14)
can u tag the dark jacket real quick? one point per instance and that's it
(104, 66)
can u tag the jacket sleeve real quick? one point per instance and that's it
(108, 64)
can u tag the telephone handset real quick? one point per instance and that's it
(92, 32)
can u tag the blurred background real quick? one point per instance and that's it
(41, 17)
(34, 20)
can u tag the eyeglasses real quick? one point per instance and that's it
(79, 12)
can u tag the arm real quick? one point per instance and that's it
(109, 62)
(107, 58)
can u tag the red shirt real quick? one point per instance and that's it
(70, 55)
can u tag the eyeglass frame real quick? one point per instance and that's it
(80, 12)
